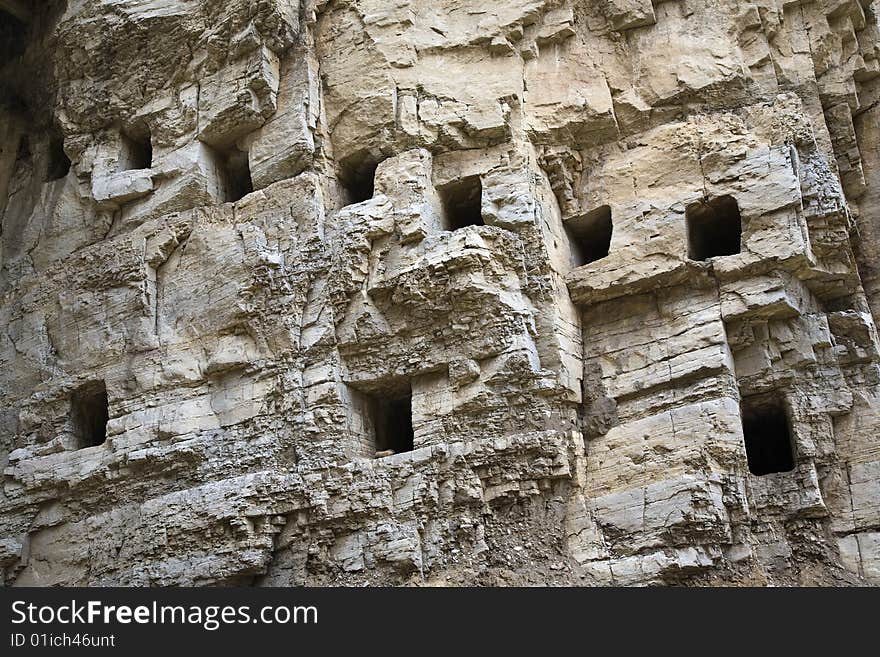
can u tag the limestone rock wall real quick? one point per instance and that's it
(237, 234)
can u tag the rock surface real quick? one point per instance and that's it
(576, 254)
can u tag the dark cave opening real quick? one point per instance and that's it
(462, 203)
(767, 435)
(391, 417)
(89, 410)
(590, 235)
(714, 228)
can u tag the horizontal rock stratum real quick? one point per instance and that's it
(512, 292)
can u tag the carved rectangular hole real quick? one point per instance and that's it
(462, 203)
(232, 173)
(359, 180)
(89, 412)
(590, 235)
(714, 228)
(137, 151)
(237, 174)
(767, 435)
(391, 419)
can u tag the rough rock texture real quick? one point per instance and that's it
(243, 234)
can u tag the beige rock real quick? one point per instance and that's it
(525, 292)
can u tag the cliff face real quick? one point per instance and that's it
(468, 292)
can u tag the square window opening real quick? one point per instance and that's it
(237, 176)
(233, 173)
(391, 419)
(358, 180)
(136, 151)
(714, 228)
(767, 433)
(89, 413)
(462, 203)
(590, 235)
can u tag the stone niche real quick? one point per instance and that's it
(767, 434)
(714, 228)
(89, 413)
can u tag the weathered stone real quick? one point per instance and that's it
(524, 292)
